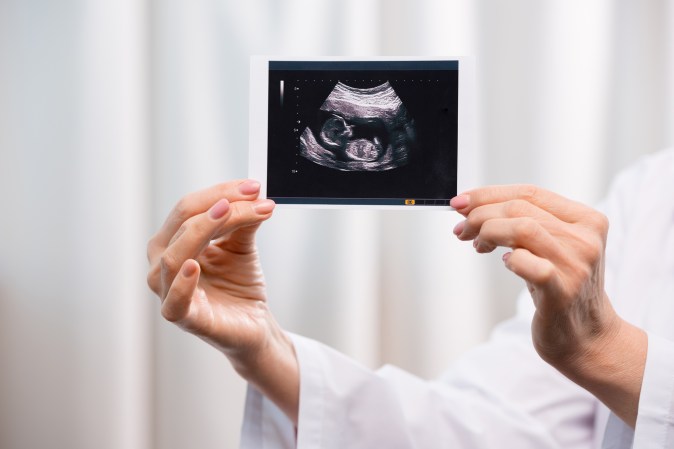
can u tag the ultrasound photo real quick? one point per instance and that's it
(362, 132)
(360, 129)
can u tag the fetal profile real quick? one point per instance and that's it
(360, 129)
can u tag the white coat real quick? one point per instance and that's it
(501, 394)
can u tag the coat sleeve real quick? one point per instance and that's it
(655, 420)
(635, 201)
(499, 395)
(635, 194)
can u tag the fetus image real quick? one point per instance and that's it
(360, 130)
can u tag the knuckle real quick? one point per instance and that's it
(473, 226)
(239, 216)
(528, 192)
(185, 227)
(547, 272)
(168, 314)
(591, 249)
(515, 208)
(153, 279)
(487, 229)
(150, 249)
(472, 220)
(526, 229)
(196, 226)
(181, 211)
(169, 263)
(596, 250)
(191, 227)
(600, 222)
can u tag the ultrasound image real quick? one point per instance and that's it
(362, 132)
(360, 129)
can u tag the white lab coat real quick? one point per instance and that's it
(501, 394)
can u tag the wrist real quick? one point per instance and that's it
(273, 370)
(594, 353)
(611, 367)
(575, 338)
(252, 363)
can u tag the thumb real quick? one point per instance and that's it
(176, 306)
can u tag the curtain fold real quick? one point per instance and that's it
(75, 349)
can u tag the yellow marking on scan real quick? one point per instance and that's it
(409, 202)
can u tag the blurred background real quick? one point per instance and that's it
(110, 111)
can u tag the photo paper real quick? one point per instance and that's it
(368, 133)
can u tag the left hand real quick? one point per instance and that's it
(557, 247)
(204, 266)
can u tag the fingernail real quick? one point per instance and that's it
(475, 243)
(458, 229)
(189, 269)
(460, 201)
(506, 256)
(264, 207)
(219, 209)
(249, 187)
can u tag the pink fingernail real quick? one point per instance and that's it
(264, 207)
(249, 187)
(219, 209)
(458, 229)
(189, 269)
(506, 256)
(459, 202)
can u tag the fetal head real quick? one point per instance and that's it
(364, 150)
(335, 132)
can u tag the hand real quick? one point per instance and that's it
(558, 249)
(205, 268)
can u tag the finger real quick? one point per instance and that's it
(190, 239)
(534, 269)
(522, 232)
(176, 306)
(509, 209)
(242, 240)
(197, 232)
(154, 279)
(197, 203)
(557, 205)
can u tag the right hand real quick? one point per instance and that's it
(558, 248)
(205, 268)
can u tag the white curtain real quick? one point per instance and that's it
(111, 111)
